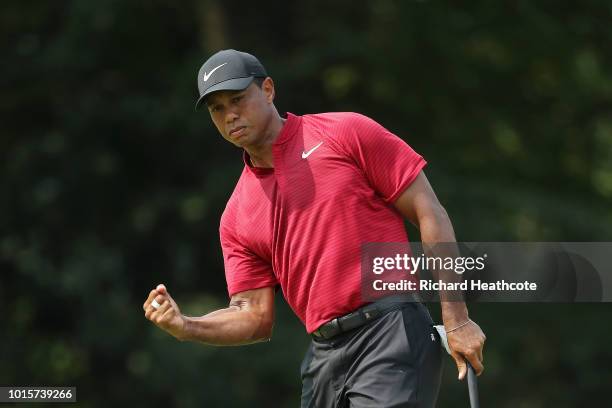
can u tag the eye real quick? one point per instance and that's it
(237, 99)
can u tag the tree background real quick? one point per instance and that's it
(110, 182)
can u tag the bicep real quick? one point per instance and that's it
(259, 301)
(419, 202)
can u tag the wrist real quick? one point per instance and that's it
(183, 333)
(459, 326)
(454, 314)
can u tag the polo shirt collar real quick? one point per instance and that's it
(289, 129)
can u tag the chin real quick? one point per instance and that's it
(242, 142)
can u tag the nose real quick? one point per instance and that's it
(231, 116)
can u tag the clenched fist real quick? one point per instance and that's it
(167, 316)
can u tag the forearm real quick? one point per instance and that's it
(438, 229)
(232, 326)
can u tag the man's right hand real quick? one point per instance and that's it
(249, 318)
(168, 316)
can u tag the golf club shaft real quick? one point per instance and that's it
(472, 386)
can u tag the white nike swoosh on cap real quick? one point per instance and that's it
(308, 153)
(206, 76)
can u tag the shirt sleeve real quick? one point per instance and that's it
(244, 270)
(389, 163)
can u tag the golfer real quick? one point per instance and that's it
(315, 188)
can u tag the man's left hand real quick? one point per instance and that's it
(466, 343)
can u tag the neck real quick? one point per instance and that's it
(261, 154)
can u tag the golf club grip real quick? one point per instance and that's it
(472, 386)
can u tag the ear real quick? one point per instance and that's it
(267, 86)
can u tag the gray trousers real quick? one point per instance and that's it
(393, 361)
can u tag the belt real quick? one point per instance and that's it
(361, 316)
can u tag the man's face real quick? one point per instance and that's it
(242, 116)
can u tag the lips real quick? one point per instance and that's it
(237, 131)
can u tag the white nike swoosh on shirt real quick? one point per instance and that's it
(206, 76)
(308, 153)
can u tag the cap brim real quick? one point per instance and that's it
(237, 84)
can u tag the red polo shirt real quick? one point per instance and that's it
(301, 224)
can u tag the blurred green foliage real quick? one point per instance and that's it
(110, 182)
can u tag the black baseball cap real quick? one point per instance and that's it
(228, 70)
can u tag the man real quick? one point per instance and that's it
(314, 189)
